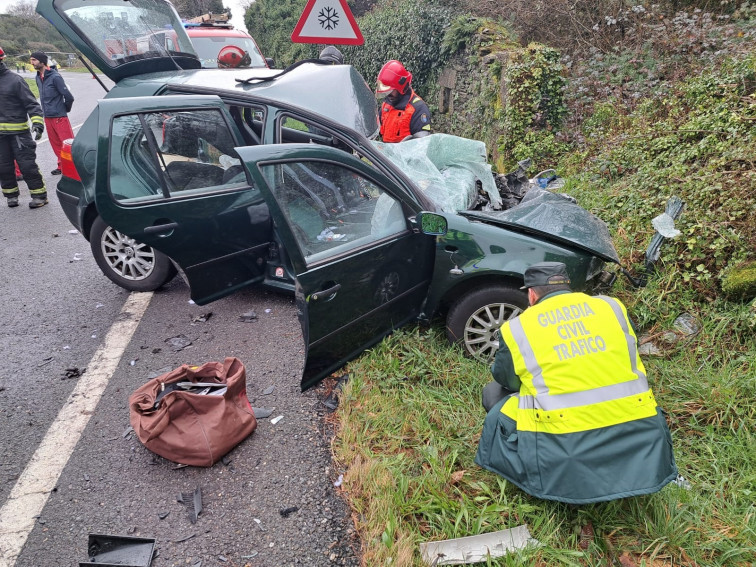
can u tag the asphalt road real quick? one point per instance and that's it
(56, 312)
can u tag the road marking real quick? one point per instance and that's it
(33, 487)
(72, 128)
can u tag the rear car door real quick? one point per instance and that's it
(361, 268)
(168, 175)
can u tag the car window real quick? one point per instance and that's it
(127, 31)
(172, 153)
(332, 209)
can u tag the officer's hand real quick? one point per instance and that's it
(38, 129)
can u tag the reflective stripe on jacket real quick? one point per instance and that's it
(395, 123)
(579, 367)
(17, 103)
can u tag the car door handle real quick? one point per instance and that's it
(319, 295)
(158, 228)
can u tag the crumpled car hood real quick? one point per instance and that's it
(557, 219)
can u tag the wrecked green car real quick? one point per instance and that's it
(239, 177)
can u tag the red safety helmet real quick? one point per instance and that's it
(2, 53)
(232, 56)
(392, 76)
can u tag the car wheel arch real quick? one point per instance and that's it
(453, 294)
(473, 319)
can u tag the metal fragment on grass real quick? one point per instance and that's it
(476, 549)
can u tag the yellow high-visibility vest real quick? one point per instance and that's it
(578, 363)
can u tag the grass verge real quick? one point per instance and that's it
(410, 420)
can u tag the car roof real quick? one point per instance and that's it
(337, 92)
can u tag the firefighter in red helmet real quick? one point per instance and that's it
(403, 113)
(231, 57)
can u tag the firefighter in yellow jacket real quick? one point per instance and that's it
(571, 416)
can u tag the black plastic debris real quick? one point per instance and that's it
(193, 502)
(163, 515)
(179, 342)
(248, 317)
(286, 512)
(123, 551)
(73, 372)
(202, 318)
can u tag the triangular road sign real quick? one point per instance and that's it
(327, 21)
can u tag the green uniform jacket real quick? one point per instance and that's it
(584, 426)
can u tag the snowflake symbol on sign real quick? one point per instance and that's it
(328, 18)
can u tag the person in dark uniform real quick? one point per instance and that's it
(571, 416)
(17, 106)
(403, 113)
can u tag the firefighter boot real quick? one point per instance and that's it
(37, 202)
(13, 201)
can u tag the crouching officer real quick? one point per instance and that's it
(17, 106)
(571, 416)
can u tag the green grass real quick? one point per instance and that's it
(410, 420)
(33, 86)
(410, 416)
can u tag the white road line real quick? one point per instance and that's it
(72, 128)
(33, 487)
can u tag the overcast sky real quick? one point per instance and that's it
(237, 10)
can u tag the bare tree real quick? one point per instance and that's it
(24, 9)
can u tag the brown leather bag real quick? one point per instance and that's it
(194, 428)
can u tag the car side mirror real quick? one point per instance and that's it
(269, 62)
(432, 224)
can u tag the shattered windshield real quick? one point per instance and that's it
(127, 30)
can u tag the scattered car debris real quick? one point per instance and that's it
(687, 324)
(202, 318)
(133, 362)
(126, 433)
(179, 342)
(163, 515)
(586, 536)
(183, 539)
(276, 419)
(259, 524)
(47, 360)
(252, 555)
(73, 372)
(286, 512)
(262, 413)
(226, 460)
(339, 481)
(476, 549)
(664, 225)
(198, 563)
(99, 305)
(193, 502)
(269, 311)
(682, 482)
(76, 257)
(248, 316)
(120, 550)
(73, 231)
(269, 390)
(179, 466)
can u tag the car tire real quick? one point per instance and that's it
(126, 262)
(474, 319)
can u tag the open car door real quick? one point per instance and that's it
(168, 176)
(361, 269)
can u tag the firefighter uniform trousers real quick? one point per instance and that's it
(20, 147)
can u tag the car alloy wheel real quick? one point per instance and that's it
(475, 319)
(127, 262)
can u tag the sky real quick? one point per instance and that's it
(237, 10)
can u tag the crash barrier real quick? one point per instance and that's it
(194, 415)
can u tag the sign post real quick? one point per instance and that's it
(327, 21)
